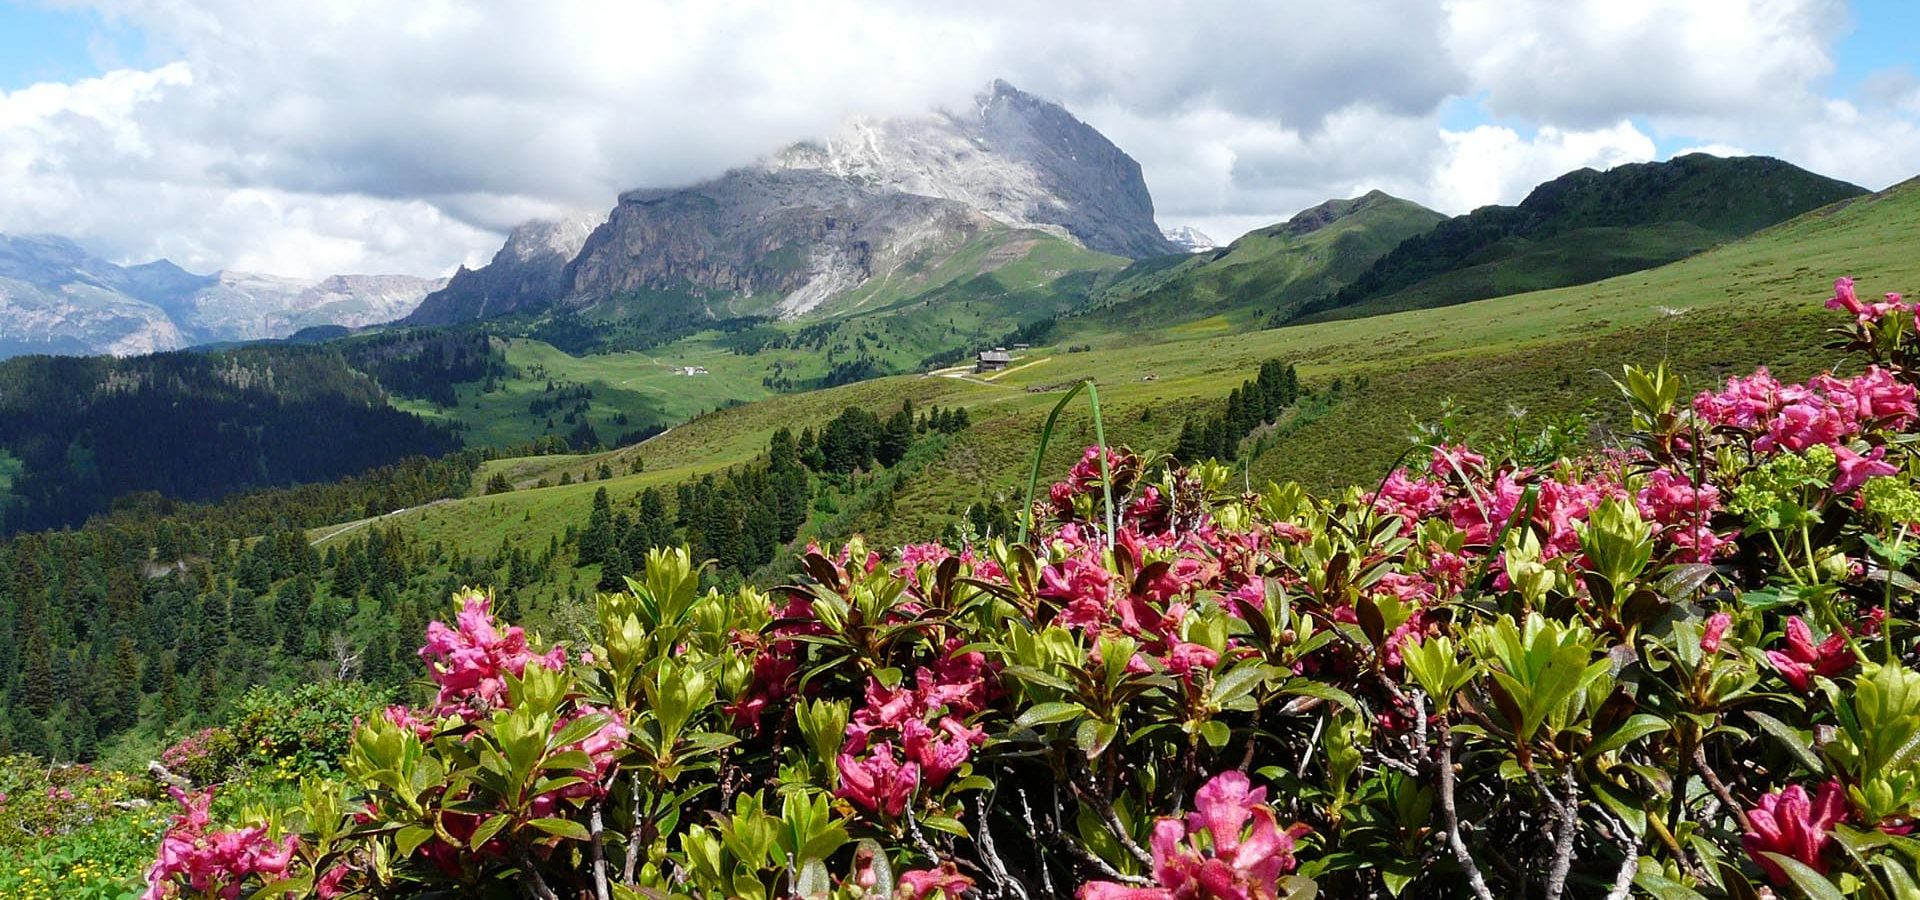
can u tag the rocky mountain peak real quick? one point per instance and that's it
(1188, 239)
(1014, 157)
(543, 238)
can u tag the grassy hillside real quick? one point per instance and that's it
(1268, 272)
(1584, 226)
(1753, 302)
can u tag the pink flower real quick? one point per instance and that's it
(1789, 824)
(1715, 631)
(403, 718)
(1856, 468)
(928, 884)
(1843, 298)
(1802, 660)
(940, 753)
(878, 783)
(1082, 586)
(213, 863)
(1186, 657)
(1238, 862)
(470, 663)
(1451, 461)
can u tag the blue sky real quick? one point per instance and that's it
(43, 43)
(314, 137)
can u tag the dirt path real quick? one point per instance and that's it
(362, 523)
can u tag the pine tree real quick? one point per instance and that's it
(376, 661)
(896, 438)
(599, 532)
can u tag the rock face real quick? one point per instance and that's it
(55, 298)
(818, 221)
(527, 272)
(1188, 239)
(1018, 159)
(755, 242)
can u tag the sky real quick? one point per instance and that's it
(358, 136)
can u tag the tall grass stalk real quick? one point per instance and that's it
(1039, 455)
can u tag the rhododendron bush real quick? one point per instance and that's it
(1676, 667)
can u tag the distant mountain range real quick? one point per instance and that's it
(57, 298)
(1188, 238)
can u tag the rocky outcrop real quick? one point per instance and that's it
(527, 273)
(756, 242)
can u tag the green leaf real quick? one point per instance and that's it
(409, 838)
(1649, 879)
(1791, 738)
(1238, 683)
(947, 824)
(1812, 883)
(566, 828)
(1049, 713)
(1093, 736)
(1898, 878)
(1307, 687)
(488, 829)
(1634, 728)
(1216, 733)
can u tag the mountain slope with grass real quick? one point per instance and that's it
(1581, 227)
(1268, 272)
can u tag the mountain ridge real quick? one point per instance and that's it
(57, 298)
(1586, 225)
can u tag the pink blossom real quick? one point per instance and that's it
(1682, 510)
(878, 783)
(1743, 403)
(1186, 657)
(403, 718)
(1856, 468)
(470, 663)
(940, 753)
(1452, 461)
(1237, 862)
(928, 884)
(1715, 631)
(1843, 298)
(1792, 825)
(1802, 659)
(1081, 585)
(209, 862)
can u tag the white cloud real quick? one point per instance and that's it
(309, 138)
(1492, 164)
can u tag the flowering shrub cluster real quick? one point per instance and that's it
(1679, 667)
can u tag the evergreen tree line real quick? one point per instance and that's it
(193, 426)
(1253, 404)
(162, 612)
(428, 364)
(744, 517)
